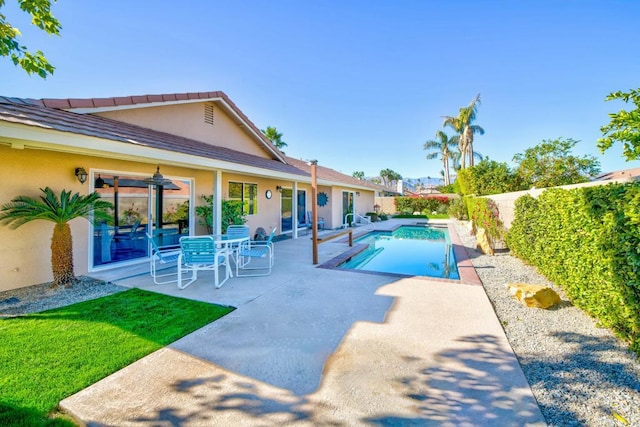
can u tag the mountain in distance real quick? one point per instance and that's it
(424, 181)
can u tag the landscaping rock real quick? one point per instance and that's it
(483, 242)
(534, 295)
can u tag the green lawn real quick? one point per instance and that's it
(48, 356)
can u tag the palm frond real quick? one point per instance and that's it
(50, 207)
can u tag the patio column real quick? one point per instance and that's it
(294, 210)
(217, 202)
(314, 209)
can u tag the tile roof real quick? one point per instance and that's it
(140, 100)
(53, 114)
(335, 176)
(25, 112)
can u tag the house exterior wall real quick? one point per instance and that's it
(25, 254)
(268, 215)
(363, 203)
(187, 120)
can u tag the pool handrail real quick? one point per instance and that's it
(357, 217)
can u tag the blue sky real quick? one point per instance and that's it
(357, 85)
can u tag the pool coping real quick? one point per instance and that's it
(466, 271)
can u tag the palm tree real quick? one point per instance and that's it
(443, 147)
(456, 156)
(463, 125)
(24, 209)
(389, 177)
(358, 175)
(275, 137)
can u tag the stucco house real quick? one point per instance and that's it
(201, 144)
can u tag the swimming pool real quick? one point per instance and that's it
(407, 250)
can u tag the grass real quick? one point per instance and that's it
(48, 356)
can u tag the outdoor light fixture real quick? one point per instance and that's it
(157, 179)
(99, 182)
(279, 188)
(358, 193)
(81, 174)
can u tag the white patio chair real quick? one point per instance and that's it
(200, 253)
(256, 256)
(162, 257)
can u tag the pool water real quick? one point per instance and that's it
(408, 250)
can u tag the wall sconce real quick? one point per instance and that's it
(81, 174)
(279, 188)
(358, 193)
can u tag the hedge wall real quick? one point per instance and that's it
(587, 241)
(425, 205)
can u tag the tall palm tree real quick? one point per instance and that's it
(443, 146)
(463, 125)
(24, 209)
(456, 156)
(275, 137)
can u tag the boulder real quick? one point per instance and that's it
(483, 243)
(534, 295)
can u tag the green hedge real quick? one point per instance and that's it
(484, 213)
(588, 242)
(424, 205)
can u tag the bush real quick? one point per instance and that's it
(484, 213)
(231, 213)
(586, 241)
(425, 205)
(372, 215)
(458, 210)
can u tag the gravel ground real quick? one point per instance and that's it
(42, 297)
(580, 374)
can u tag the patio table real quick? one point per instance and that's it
(230, 244)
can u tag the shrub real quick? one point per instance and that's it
(373, 216)
(457, 210)
(483, 213)
(586, 241)
(425, 205)
(231, 213)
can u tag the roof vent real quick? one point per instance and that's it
(208, 113)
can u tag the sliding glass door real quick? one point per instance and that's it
(138, 208)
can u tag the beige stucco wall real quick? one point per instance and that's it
(363, 203)
(506, 202)
(268, 215)
(25, 252)
(387, 204)
(187, 120)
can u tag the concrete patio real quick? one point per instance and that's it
(316, 346)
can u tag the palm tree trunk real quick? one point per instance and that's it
(62, 256)
(469, 139)
(447, 177)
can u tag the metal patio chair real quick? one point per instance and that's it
(256, 256)
(200, 254)
(162, 258)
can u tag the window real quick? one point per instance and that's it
(247, 194)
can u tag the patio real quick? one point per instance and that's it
(309, 346)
